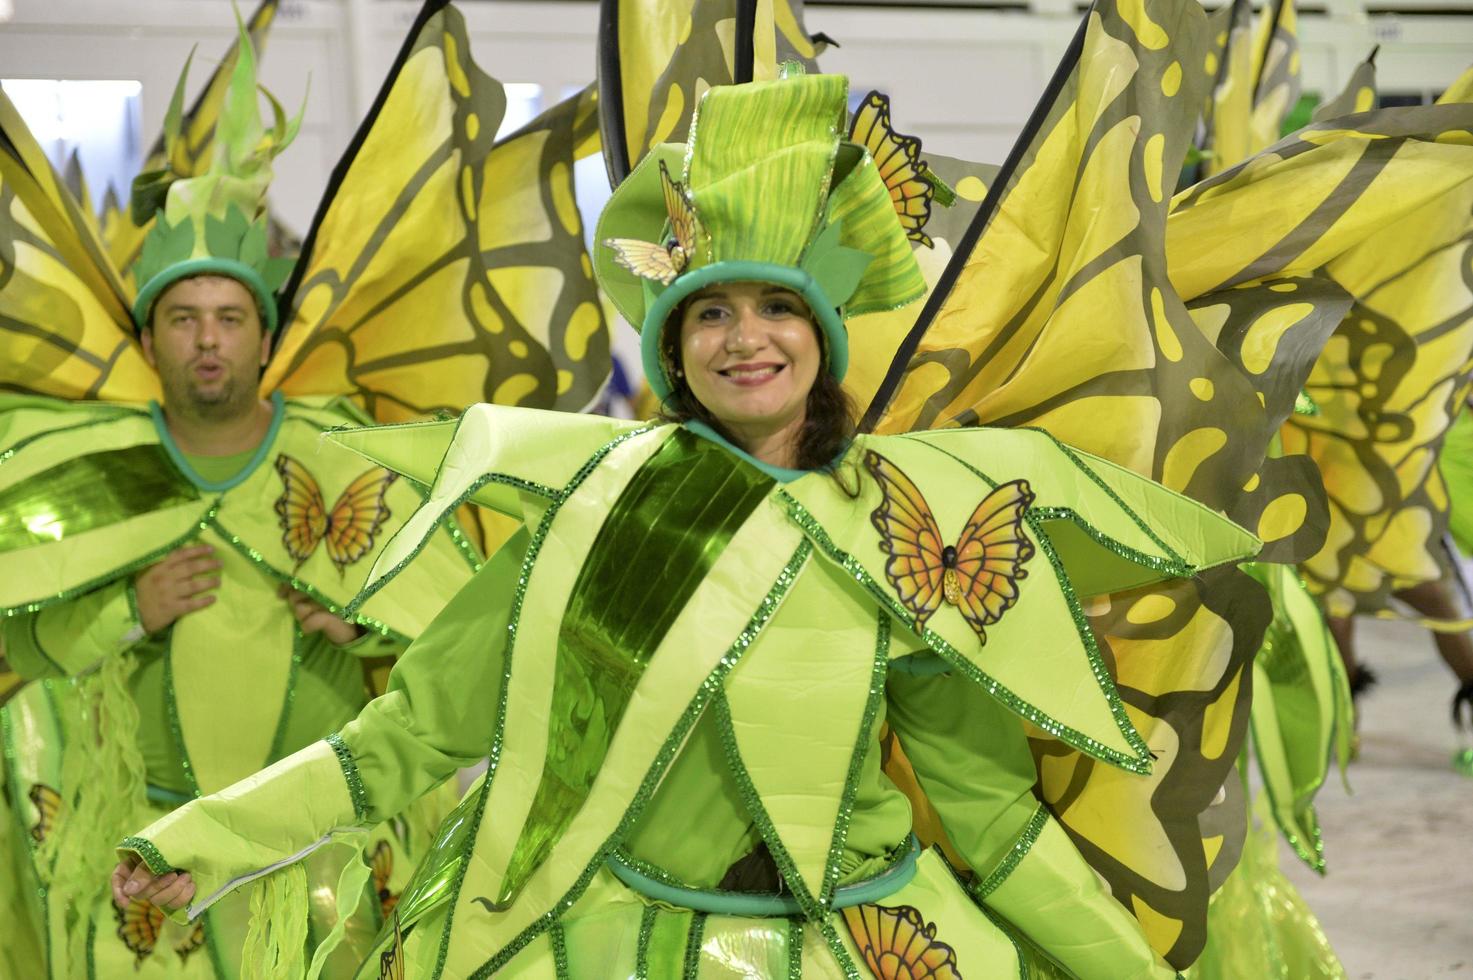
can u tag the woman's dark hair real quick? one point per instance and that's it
(828, 423)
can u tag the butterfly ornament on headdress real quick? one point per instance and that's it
(662, 263)
(978, 575)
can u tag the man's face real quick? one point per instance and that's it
(207, 343)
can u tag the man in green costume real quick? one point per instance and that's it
(173, 581)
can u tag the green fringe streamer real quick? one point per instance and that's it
(276, 941)
(104, 792)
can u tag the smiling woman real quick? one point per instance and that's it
(750, 368)
(710, 643)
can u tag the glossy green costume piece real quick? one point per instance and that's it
(95, 492)
(752, 726)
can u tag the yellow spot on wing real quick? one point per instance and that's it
(1282, 517)
(458, 81)
(971, 188)
(482, 310)
(1151, 36)
(1262, 339)
(1365, 98)
(1202, 388)
(514, 389)
(1217, 721)
(1189, 452)
(1151, 608)
(1161, 930)
(1171, 79)
(1154, 149)
(582, 325)
(669, 116)
(1165, 336)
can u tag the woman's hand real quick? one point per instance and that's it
(132, 880)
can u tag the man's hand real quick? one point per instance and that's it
(313, 618)
(184, 581)
(132, 880)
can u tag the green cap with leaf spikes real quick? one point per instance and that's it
(768, 191)
(215, 223)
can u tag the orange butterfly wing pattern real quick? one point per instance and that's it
(191, 943)
(299, 509)
(899, 161)
(910, 536)
(139, 925)
(348, 529)
(357, 516)
(896, 942)
(47, 802)
(979, 576)
(990, 556)
(382, 863)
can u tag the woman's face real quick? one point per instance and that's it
(750, 353)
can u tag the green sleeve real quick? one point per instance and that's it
(972, 759)
(435, 718)
(70, 638)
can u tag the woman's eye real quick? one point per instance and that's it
(781, 307)
(710, 313)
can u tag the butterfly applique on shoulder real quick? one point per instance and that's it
(348, 529)
(979, 574)
(663, 263)
(898, 159)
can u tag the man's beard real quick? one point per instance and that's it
(228, 400)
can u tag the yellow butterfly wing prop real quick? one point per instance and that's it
(898, 159)
(65, 326)
(1013, 334)
(910, 536)
(683, 224)
(658, 57)
(990, 555)
(467, 281)
(191, 151)
(357, 516)
(300, 510)
(1388, 385)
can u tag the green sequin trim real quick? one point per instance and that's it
(815, 911)
(856, 760)
(176, 727)
(642, 946)
(1016, 853)
(176, 456)
(130, 595)
(123, 570)
(1166, 566)
(693, 946)
(356, 789)
(1141, 763)
(494, 754)
(559, 942)
(710, 690)
(1099, 481)
(149, 853)
(795, 949)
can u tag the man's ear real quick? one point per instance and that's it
(265, 345)
(145, 337)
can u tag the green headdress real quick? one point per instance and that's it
(767, 192)
(215, 222)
